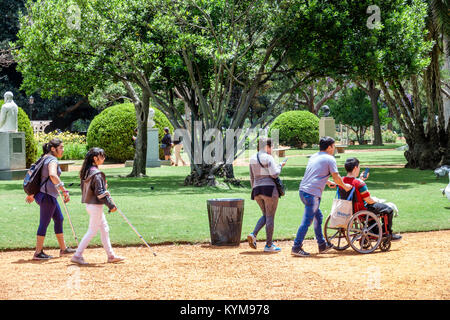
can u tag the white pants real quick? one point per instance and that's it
(97, 222)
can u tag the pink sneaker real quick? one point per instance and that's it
(115, 259)
(78, 260)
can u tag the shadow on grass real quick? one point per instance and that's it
(380, 179)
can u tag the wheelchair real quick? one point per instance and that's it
(365, 232)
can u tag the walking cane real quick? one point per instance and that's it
(68, 216)
(134, 229)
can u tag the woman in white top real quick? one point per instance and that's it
(264, 191)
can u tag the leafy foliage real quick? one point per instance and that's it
(353, 109)
(297, 128)
(65, 137)
(389, 136)
(113, 129)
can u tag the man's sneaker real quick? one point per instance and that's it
(251, 240)
(324, 247)
(115, 259)
(298, 252)
(67, 251)
(396, 237)
(41, 256)
(78, 260)
(272, 248)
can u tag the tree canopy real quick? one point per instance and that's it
(214, 58)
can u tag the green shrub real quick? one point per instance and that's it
(75, 146)
(352, 135)
(297, 128)
(66, 137)
(74, 151)
(389, 136)
(113, 129)
(24, 125)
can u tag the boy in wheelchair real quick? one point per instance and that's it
(362, 199)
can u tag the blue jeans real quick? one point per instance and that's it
(312, 213)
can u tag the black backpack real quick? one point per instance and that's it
(32, 182)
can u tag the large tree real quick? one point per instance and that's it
(215, 56)
(418, 101)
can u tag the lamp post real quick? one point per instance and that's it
(31, 102)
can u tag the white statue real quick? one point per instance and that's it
(150, 122)
(8, 114)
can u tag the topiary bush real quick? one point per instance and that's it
(31, 145)
(296, 128)
(113, 129)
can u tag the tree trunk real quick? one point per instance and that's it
(424, 152)
(203, 175)
(446, 67)
(140, 156)
(374, 94)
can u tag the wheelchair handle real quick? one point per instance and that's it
(350, 196)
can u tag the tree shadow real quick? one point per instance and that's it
(258, 253)
(88, 265)
(380, 179)
(31, 261)
(215, 247)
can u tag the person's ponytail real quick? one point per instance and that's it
(47, 147)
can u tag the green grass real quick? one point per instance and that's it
(172, 212)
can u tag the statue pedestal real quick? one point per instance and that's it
(12, 156)
(327, 127)
(153, 149)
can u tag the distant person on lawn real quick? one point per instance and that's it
(363, 200)
(320, 166)
(178, 145)
(166, 145)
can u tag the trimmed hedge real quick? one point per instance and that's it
(31, 145)
(297, 128)
(113, 129)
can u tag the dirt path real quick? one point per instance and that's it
(415, 268)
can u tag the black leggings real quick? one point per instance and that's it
(49, 210)
(381, 209)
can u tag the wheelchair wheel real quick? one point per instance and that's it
(336, 236)
(385, 243)
(364, 232)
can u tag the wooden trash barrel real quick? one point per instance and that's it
(225, 221)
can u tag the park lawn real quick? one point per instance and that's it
(173, 213)
(367, 158)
